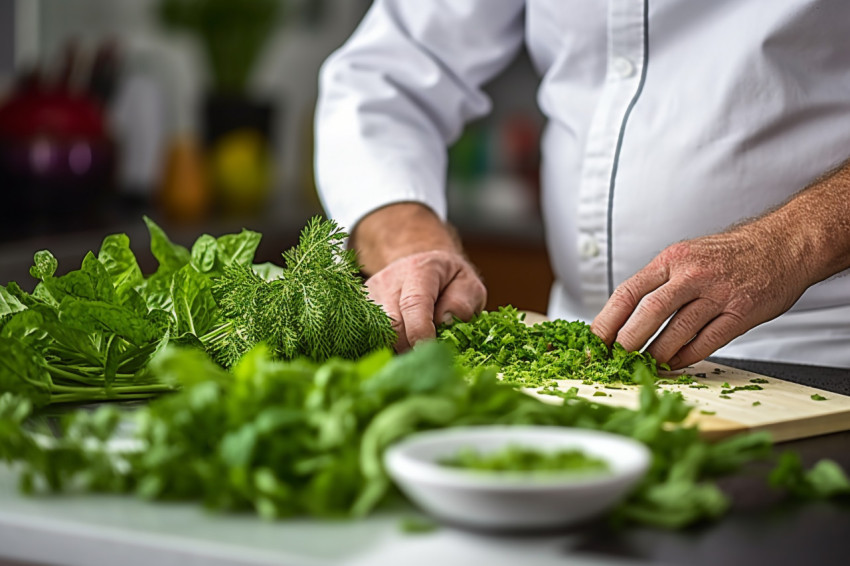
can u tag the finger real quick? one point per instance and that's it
(623, 301)
(685, 324)
(463, 297)
(416, 303)
(389, 302)
(651, 312)
(716, 334)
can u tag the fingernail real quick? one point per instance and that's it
(448, 318)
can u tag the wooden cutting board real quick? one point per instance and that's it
(784, 409)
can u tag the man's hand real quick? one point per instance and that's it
(418, 272)
(421, 291)
(717, 287)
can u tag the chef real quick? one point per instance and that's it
(695, 185)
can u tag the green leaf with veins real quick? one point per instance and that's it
(120, 262)
(204, 253)
(100, 316)
(9, 304)
(194, 307)
(238, 248)
(44, 265)
(170, 256)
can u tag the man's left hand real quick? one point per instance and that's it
(715, 288)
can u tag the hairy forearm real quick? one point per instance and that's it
(399, 230)
(813, 226)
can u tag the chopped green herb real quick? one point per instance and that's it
(698, 386)
(600, 394)
(725, 397)
(756, 403)
(726, 385)
(759, 380)
(742, 388)
(708, 412)
(418, 525)
(536, 356)
(817, 397)
(515, 458)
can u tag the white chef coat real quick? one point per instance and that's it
(667, 120)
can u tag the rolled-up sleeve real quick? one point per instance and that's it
(398, 92)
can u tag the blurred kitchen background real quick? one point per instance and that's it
(199, 114)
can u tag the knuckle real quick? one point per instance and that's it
(414, 301)
(654, 303)
(623, 297)
(676, 253)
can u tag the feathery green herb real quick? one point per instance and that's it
(317, 308)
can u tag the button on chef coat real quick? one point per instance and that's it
(667, 120)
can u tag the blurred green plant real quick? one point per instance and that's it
(233, 34)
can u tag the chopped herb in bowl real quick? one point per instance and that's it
(514, 458)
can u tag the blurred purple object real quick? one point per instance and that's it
(56, 160)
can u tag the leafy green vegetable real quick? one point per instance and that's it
(826, 479)
(89, 335)
(295, 437)
(515, 458)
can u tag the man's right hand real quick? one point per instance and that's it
(418, 272)
(423, 290)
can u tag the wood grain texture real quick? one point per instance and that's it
(785, 409)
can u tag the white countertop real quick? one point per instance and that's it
(94, 530)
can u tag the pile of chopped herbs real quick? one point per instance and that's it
(535, 356)
(517, 458)
(90, 334)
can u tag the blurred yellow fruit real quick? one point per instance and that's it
(241, 168)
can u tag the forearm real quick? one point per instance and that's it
(813, 226)
(399, 230)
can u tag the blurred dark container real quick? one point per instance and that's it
(223, 114)
(57, 162)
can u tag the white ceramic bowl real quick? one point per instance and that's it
(514, 500)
